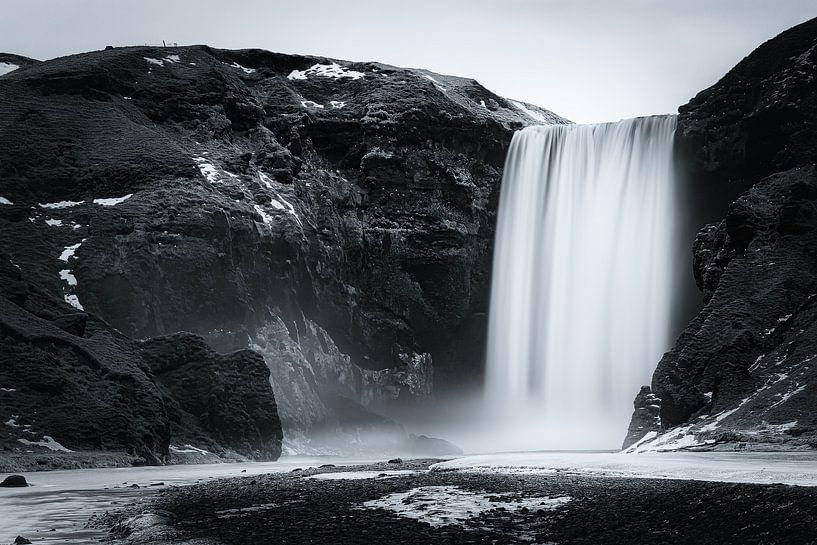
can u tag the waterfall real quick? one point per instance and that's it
(582, 280)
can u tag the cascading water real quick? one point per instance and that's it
(582, 281)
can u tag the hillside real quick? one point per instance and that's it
(335, 217)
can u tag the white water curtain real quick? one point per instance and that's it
(582, 280)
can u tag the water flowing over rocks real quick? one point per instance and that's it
(582, 282)
(335, 217)
(743, 372)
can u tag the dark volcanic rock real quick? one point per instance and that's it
(421, 445)
(338, 217)
(215, 398)
(14, 481)
(759, 119)
(71, 382)
(645, 417)
(743, 370)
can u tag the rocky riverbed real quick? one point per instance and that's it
(405, 502)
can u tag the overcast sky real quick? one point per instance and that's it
(588, 60)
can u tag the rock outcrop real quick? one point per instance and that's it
(337, 217)
(743, 371)
(69, 382)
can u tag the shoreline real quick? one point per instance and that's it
(408, 503)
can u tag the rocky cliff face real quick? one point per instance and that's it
(336, 217)
(68, 382)
(743, 372)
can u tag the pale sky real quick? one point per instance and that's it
(587, 60)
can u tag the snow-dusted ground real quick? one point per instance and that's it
(358, 475)
(796, 468)
(64, 500)
(443, 505)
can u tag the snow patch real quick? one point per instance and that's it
(47, 442)
(208, 170)
(530, 113)
(8, 390)
(188, 449)
(61, 204)
(6, 67)
(113, 201)
(4, 200)
(69, 251)
(53, 222)
(277, 203)
(787, 396)
(151, 60)
(337, 104)
(68, 276)
(266, 218)
(243, 68)
(360, 475)
(332, 70)
(436, 83)
(311, 104)
(674, 439)
(73, 300)
(450, 505)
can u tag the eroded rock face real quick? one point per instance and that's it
(215, 399)
(69, 382)
(743, 370)
(336, 216)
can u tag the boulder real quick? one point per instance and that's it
(13, 481)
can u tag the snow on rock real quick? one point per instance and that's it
(436, 83)
(530, 113)
(332, 70)
(360, 475)
(266, 218)
(279, 203)
(8, 390)
(53, 223)
(6, 67)
(311, 104)
(68, 277)
(188, 449)
(208, 170)
(243, 68)
(113, 201)
(451, 505)
(46, 442)
(61, 204)
(337, 104)
(73, 300)
(4, 200)
(170, 59)
(69, 251)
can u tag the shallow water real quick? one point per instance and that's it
(64, 500)
(793, 468)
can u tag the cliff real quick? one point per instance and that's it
(741, 375)
(335, 217)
